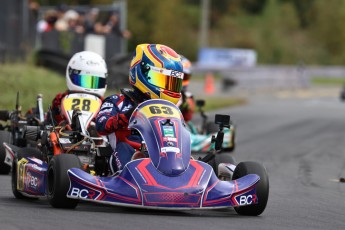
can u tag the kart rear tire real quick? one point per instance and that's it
(221, 158)
(24, 152)
(262, 188)
(58, 182)
(5, 136)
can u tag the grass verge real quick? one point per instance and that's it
(328, 81)
(31, 80)
(213, 103)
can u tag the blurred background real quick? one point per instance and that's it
(236, 46)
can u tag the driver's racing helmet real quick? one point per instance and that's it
(87, 72)
(187, 70)
(156, 71)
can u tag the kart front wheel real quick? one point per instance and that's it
(58, 180)
(262, 188)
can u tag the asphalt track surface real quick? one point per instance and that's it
(301, 142)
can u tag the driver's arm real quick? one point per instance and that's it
(110, 118)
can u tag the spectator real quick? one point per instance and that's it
(61, 24)
(80, 28)
(90, 20)
(113, 26)
(48, 22)
(72, 17)
(34, 7)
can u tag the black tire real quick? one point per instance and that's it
(24, 152)
(262, 188)
(5, 136)
(221, 158)
(58, 180)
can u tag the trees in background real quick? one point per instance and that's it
(282, 31)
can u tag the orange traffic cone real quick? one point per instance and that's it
(209, 83)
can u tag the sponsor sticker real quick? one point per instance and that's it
(168, 131)
(31, 181)
(107, 105)
(82, 193)
(37, 161)
(105, 111)
(170, 139)
(247, 198)
(170, 149)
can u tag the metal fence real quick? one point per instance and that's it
(18, 34)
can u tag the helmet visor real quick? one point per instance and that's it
(166, 79)
(88, 81)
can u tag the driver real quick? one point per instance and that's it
(86, 72)
(155, 72)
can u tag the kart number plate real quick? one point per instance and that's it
(160, 110)
(88, 104)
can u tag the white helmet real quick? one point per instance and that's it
(87, 72)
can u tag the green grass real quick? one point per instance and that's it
(29, 81)
(328, 81)
(213, 103)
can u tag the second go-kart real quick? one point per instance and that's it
(166, 178)
(77, 135)
(74, 141)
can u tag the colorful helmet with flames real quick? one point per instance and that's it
(156, 71)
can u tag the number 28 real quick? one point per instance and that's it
(85, 104)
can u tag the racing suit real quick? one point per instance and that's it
(112, 120)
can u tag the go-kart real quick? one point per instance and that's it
(201, 136)
(77, 136)
(167, 177)
(12, 129)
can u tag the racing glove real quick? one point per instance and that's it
(116, 122)
(122, 121)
